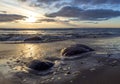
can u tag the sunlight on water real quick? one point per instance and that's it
(29, 51)
(21, 32)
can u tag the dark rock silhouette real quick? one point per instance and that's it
(33, 39)
(75, 50)
(40, 66)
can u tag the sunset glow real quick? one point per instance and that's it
(31, 19)
(59, 13)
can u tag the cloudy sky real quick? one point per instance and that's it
(59, 13)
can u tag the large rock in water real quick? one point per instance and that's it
(75, 50)
(36, 38)
(40, 66)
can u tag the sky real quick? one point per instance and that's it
(59, 13)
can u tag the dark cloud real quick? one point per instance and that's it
(65, 22)
(48, 4)
(76, 1)
(92, 22)
(10, 17)
(97, 1)
(66, 11)
(40, 1)
(22, 0)
(51, 20)
(47, 1)
(3, 11)
(47, 20)
(81, 14)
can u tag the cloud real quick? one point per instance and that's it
(35, 2)
(22, 0)
(87, 4)
(10, 17)
(65, 22)
(92, 22)
(47, 1)
(47, 20)
(3, 11)
(81, 14)
(78, 1)
(73, 2)
(97, 1)
(66, 11)
(51, 20)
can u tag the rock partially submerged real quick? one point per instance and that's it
(40, 66)
(75, 50)
(36, 38)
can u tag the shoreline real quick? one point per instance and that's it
(93, 68)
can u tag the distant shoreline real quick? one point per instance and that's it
(50, 28)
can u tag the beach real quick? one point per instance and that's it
(59, 41)
(100, 66)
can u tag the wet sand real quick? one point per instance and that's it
(99, 67)
(103, 75)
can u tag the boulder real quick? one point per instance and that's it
(36, 38)
(75, 50)
(40, 65)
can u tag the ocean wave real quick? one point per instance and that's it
(55, 35)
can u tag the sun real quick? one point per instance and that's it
(31, 19)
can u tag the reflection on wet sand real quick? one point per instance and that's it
(17, 56)
(29, 50)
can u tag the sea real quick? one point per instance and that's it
(55, 34)
(18, 47)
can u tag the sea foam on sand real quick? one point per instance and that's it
(106, 51)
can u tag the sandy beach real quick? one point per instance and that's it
(59, 41)
(98, 67)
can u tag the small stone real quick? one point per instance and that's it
(68, 72)
(114, 63)
(63, 63)
(40, 66)
(65, 74)
(24, 62)
(11, 59)
(59, 68)
(52, 78)
(81, 63)
(18, 61)
(92, 69)
(75, 50)
(54, 73)
(77, 72)
(71, 81)
(59, 78)
(69, 68)
(8, 62)
(65, 69)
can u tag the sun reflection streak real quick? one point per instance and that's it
(32, 51)
(29, 51)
